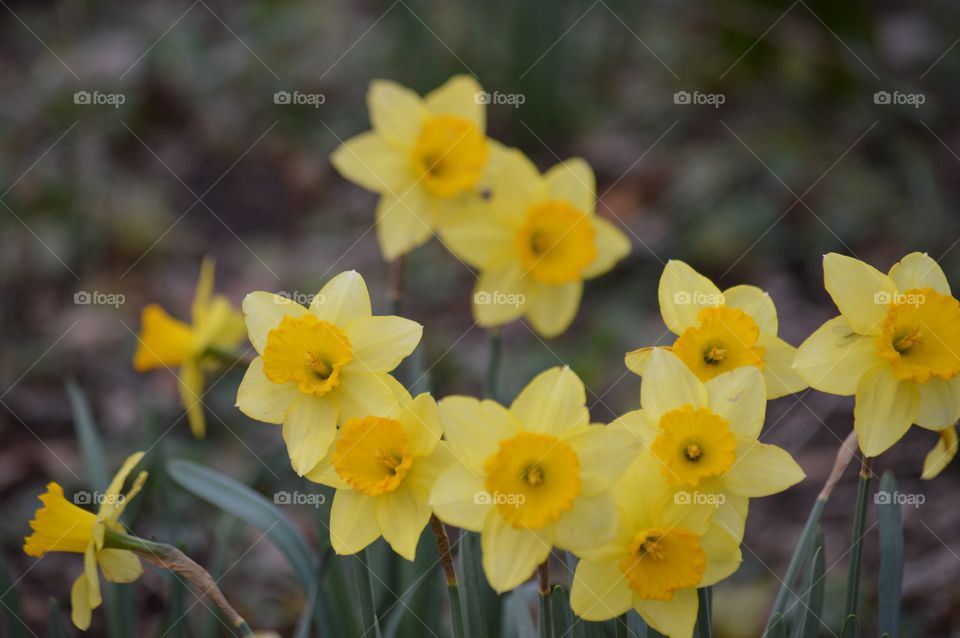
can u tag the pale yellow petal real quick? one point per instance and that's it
(119, 566)
(460, 498)
(553, 308)
(353, 521)
(516, 185)
(427, 470)
(636, 361)
(740, 397)
(675, 618)
(605, 453)
(396, 112)
(834, 358)
(861, 292)
(111, 500)
(723, 555)
(371, 162)
(190, 385)
(554, 403)
(939, 403)
(942, 453)
(402, 517)
(369, 394)
(460, 96)
(80, 609)
(500, 295)
(612, 246)
(638, 423)
(260, 398)
(421, 424)
(778, 371)
(573, 181)
(477, 239)
(325, 474)
(511, 555)
(204, 291)
(756, 303)
(682, 293)
(474, 429)
(919, 270)
(405, 221)
(669, 384)
(731, 515)
(379, 344)
(884, 409)
(591, 522)
(309, 427)
(343, 299)
(761, 469)
(263, 311)
(599, 591)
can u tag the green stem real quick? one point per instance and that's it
(493, 364)
(859, 523)
(705, 612)
(546, 608)
(395, 296)
(453, 588)
(622, 627)
(369, 623)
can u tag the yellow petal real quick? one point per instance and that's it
(221, 326)
(553, 308)
(368, 160)
(460, 96)
(380, 343)
(674, 618)
(573, 181)
(421, 424)
(404, 221)
(163, 342)
(554, 403)
(500, 295)
(668, 384)
(723, 555)
(516, 185)
(402, 517)
(761, 469)
(396, 112)
(343, 299)
(309, 427)
(778, 371)
(427, 470)
(260, 398)
(942, 453)
(353, 522)
(756, 303)
(474, 429)
(834, 358)
(591, 522)
(263, 311)
(919, 270)
(92, 576)
(369, 394)
(731, 515)
(639, 425)
(80, 612)
(111, 504)
(460, 498)
(682, 293)
(740, 397)
(475, 237)
(939, 403)
(605, 453)
(119, 566)
(511, 555)
(201, 297)
(884, 409)
(636, 361)
(861, 292)
(612, 246)
(599, 591)
(190, 380)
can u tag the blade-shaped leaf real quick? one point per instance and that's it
(890, 583)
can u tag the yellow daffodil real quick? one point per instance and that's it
(942, 453)
(722, 331)
(61, 526)
(895, 345)
(215, 328)
(535, 242)
(531, 477)
(704, 436)
(657, 559)
(426, 157)
(383, 468)
(322, 365)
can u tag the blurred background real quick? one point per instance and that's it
(746, 137)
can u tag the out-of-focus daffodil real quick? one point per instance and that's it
(61, 526)
(426, 157)
(531, 477)
(322, 365)
(658, 557)
(942, 453)
(535, 242)
(215, 329)
(383, 468)
(895, 345)
(722, 331)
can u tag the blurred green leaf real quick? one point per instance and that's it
(851, 627)
(562, 614)
(57, 627)
(11, 604)
(776, 627)
(475, 586)
(813, 597)
(890, 582)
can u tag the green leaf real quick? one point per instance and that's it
(57, 627)
(859, 525)
(813, 597)
(704, 628)
(890, 524)
(800, 556)
(562, 614)
(776, 626)
(10, 604)
(851, 627)
(370, 624)
(474, 589)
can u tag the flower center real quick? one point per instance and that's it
(694, 444)
(533, 479)
(661, 561)
(725, 339)
(449, 155)
(59, 526)
(556, 242)
(372, 455)
(920, 336)
(306, 351)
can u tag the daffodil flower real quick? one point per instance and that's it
(942, 453)
(535, 242)
(216, 327)
(426, 157)
(61, 526)
(722, 331)
(895, 345)
(322, 365)
(531, 477)
(704, 436)
(657, 559)
(383, 468)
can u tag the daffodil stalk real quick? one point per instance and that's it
(172, 559)
(369, 622)
(453, 587)
(859, 521)
(493, 364)
(546, 609)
